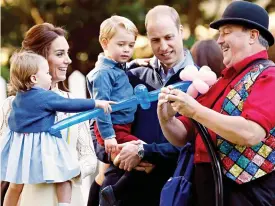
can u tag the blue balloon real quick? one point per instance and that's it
(142, 97)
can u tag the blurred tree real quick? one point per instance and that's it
(82, 18)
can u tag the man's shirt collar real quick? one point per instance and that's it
(186, 60)
(237, 68)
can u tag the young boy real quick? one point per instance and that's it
(108, 81)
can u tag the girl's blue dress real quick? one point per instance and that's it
(38, 157)
(32, 158)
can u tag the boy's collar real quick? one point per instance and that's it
(106, 60)
(37, 88)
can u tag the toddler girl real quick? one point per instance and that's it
(29, 154)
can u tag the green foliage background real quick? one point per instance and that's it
(81, 18)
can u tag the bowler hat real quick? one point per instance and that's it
(247, 14)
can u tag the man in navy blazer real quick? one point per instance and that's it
(165, 34)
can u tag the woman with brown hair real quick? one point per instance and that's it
(208, 52)
(50, 42)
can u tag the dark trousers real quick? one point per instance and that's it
(144, 190)
(259, 192)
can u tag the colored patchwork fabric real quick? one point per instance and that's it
(240, 163)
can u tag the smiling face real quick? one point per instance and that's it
(58, 59)
(165, 39)
(120, 47)
(235, 43)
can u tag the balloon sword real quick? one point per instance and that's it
(142, 97)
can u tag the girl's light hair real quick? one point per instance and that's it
(108, 27)
(24, 64)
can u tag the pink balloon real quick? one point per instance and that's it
(191, 68)
(201, 86)
(202, 79)
(189, 73)
(208, 77)
(205, 68)
(192, 91)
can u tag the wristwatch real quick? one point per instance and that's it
(140, 151)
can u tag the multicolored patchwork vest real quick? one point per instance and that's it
(240, 163)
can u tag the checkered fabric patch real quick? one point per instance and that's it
(240, 163)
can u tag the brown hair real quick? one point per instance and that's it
(108, 27)
(163, 10)
(39, 38)
(208, 52)
(23, 66)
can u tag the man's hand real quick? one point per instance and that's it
(165, 110)
(145, 166)
(128, 158)
(183, 103)
(142, 62)
(142, 166)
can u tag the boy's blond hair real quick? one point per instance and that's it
(24, 64)
(108, 27)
